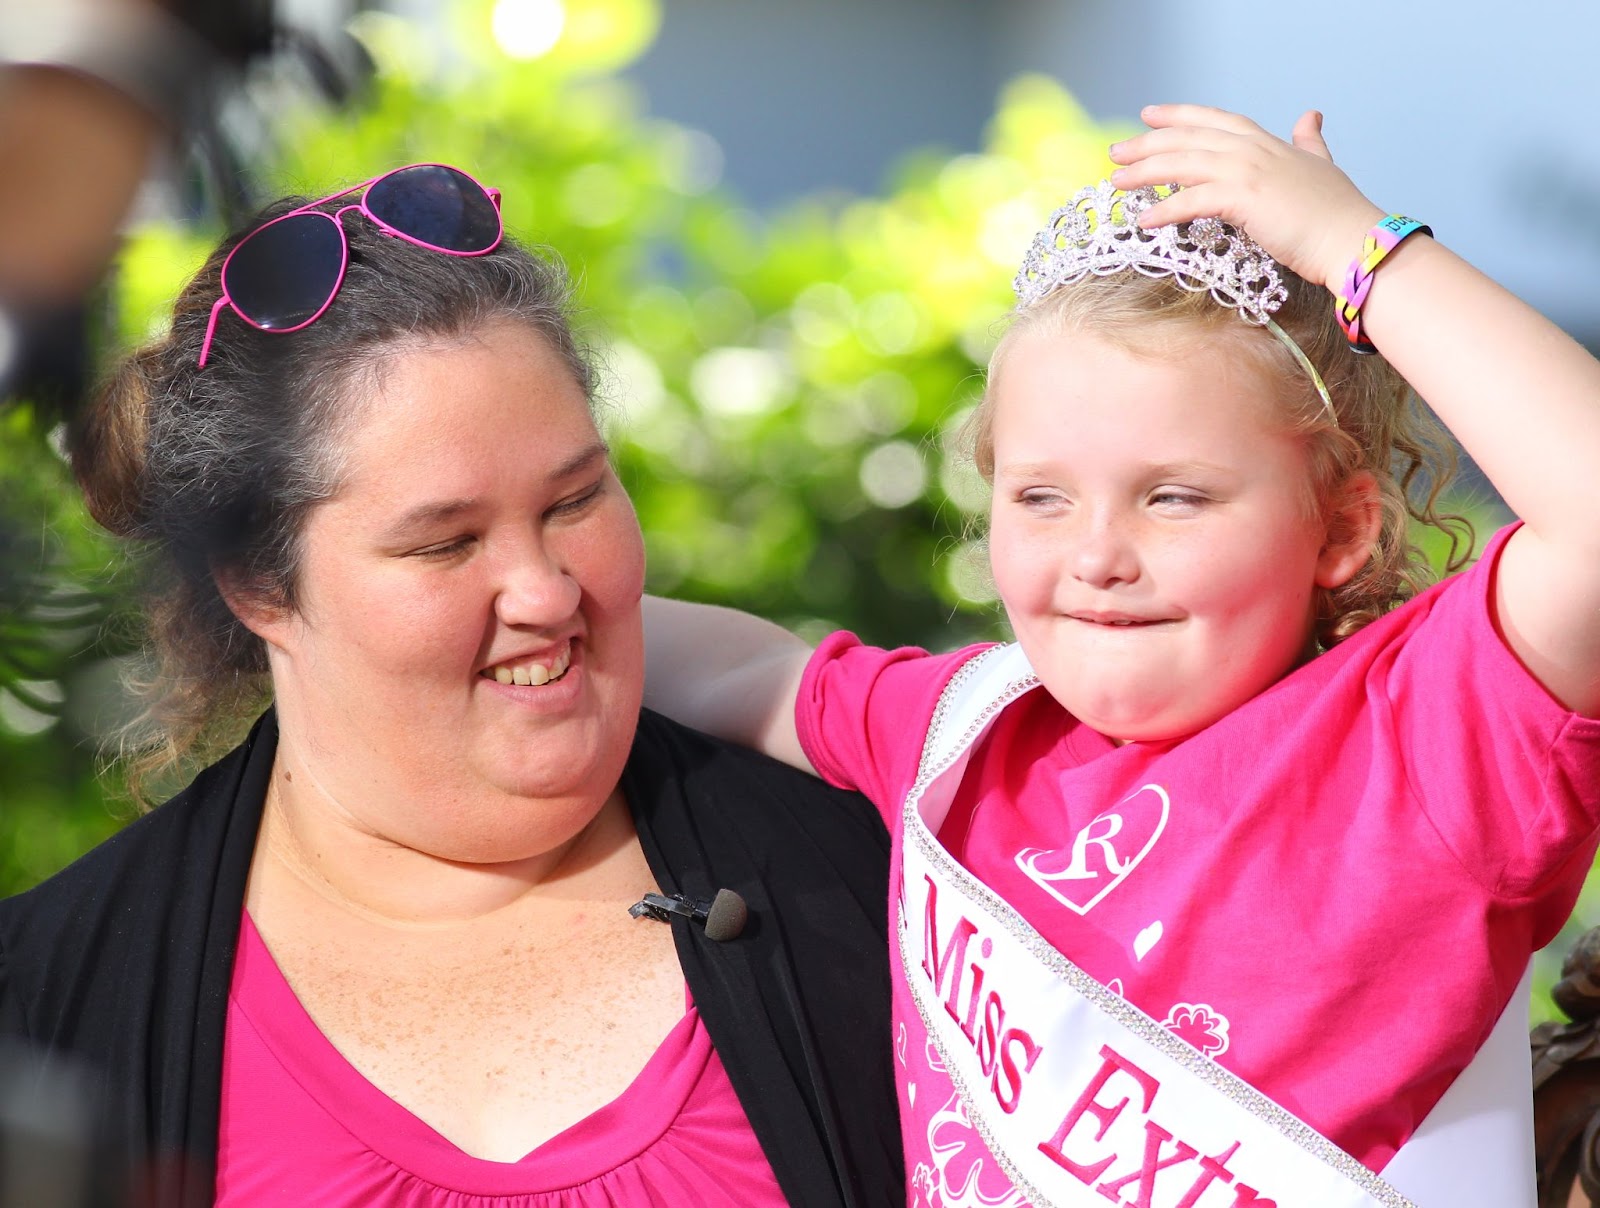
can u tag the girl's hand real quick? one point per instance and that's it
(1288, 196)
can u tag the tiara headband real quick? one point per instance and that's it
(1097, 234)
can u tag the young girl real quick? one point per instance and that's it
(1220, 915)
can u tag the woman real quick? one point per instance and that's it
(382, 951)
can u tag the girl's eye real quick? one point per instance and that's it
(1173, 500)
(1040, 500)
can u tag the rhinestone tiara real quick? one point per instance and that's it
(1096, 234)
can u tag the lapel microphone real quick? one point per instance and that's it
(723, 917)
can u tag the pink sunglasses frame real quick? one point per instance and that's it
(344, 246)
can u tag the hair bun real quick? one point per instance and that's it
(106, 445)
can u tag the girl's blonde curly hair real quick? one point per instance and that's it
(1382, 427)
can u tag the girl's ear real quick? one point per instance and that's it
(1354, 519)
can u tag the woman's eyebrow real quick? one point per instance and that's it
(425, 514)
(1179, 468)
(442, 510)
(581, 460)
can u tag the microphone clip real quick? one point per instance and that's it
(723, 917)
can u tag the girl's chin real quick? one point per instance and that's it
(1132, 721)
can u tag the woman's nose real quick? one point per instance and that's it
(1106, 552)
(537, 590)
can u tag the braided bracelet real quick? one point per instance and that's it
(1380, 241)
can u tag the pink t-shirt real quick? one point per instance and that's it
(1352, 873)
(301, 1126)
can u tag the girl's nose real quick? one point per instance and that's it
(537, 591)
(1106, 554)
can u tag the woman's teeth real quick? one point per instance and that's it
(534, 674)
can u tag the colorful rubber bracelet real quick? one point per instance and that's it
(1380, 241)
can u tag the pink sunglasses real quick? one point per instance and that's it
(284, 274)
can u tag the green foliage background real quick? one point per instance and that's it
(781, 390)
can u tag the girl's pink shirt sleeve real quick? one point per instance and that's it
(862, 712)
(1504, 772)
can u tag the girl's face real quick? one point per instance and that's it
(478, 535)
(1150, 530)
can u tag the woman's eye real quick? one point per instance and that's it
(438, 553)
(577, 503)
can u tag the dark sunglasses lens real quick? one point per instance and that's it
(286, 271)
(438, 206)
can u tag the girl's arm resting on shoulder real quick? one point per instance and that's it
(1521, 396)
(727, 673)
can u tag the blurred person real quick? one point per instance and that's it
(1170, 869)
(87, 91)
(385, 949)
(91, 93)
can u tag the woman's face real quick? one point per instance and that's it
(463, 671)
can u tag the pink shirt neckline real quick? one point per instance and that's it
(606, 1139)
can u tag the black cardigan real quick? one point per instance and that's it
(122, 962)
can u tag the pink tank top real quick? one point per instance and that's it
(300, 1125)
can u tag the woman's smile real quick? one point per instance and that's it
(536, 669)
(549, 684)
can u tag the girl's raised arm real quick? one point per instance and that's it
(725, 672)
(1521, 396)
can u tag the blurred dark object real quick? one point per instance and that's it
(73, 151)
(90, 90)
(48, 1155)
(45, 353)
(1566, 1084)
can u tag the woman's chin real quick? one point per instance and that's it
(516, 827)
(546, 776)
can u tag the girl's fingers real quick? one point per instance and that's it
(1308, 135)
(1172, 138)
(1184, 206)
(1162, 116)
(1187, 168)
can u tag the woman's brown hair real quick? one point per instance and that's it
(210, 473)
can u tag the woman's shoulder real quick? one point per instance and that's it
(70, 945)
(94, 875)
(132, 880)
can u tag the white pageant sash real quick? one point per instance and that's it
(1080, 1096)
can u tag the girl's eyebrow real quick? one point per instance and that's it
(1026, 469)
(1182, 469)
(1157, 469)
